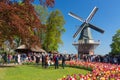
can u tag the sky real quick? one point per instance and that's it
(107, 18)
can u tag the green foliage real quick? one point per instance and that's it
(42, 12)
(17, 41)
(115, 46)
(50, 35)
(2, 51)
(54, 31)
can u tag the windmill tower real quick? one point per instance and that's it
(86, 44)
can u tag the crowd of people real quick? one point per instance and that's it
(39, 58)
(54, 59)
(8, 58)
(113, 59)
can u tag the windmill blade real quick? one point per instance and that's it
(75, 16)
(91, 14)
(80, 29)
(96, 28)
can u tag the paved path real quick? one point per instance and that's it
(8, 65)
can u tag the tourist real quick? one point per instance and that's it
(46, 61)
(63, 61)
(43, 60)
(69, 57)
(19, 58)
(0, 57)
(37, 59)
(49, 61)
(16, 58)
(9, 58)
(56, 61)
(5, 57)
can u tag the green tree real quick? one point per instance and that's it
(54, 31)
(115, 46)
(17, 41)
(42, 12)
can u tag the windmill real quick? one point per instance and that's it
(86, 44)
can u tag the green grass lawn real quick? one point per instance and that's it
(34, 72)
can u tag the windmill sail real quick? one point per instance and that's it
(79, 29)
(85, 23)
(91, 14)
(96, 28)
(75, 16)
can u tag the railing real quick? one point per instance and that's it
(87, 42)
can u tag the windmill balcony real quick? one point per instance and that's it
(86, 42)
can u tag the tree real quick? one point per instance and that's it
(54, 31)
(115, 46)
(20, 19)
(43, 14)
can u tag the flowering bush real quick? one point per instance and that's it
(101, 71)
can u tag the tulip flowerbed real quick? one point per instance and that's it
(100, 71)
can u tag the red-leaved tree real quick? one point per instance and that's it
(20, 19)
